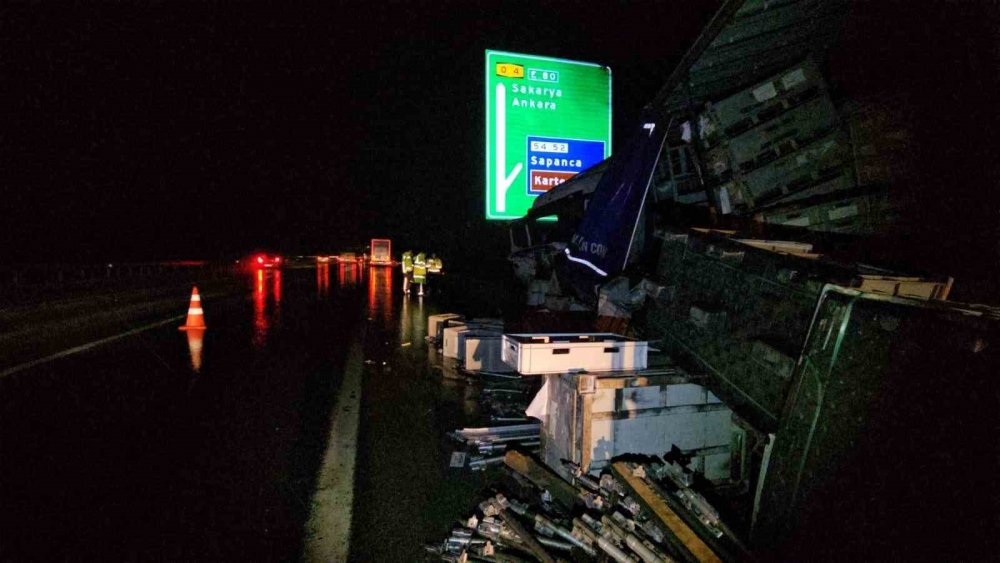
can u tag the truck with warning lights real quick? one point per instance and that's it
(381, 252)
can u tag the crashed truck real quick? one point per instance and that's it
(727, 232)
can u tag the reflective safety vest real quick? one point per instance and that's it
(407, 262)
(419, 273)
(434, 265)
(420, 268)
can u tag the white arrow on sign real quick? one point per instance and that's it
(503, 181)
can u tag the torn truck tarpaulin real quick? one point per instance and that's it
(603, 240)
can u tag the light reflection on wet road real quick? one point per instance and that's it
(380, 294)
(405, 493)
(161, 447)
(266, 303)
(164, 447)
(323, 280)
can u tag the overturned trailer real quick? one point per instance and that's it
(751, 131)
(736, 230)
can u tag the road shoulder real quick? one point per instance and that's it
(328, 530)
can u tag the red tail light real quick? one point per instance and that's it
(260, 259)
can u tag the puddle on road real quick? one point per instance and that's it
(349, 275)
(322, 281)
(405, 316)
(380, 295)
(196, 342)
(412, 321)
(266, 304)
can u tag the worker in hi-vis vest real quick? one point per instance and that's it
(434, 264)
(407, 265)
(420, 271)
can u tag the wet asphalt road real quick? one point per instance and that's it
(140, 450)
(406, 495)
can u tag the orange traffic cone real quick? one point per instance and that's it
(196, 317)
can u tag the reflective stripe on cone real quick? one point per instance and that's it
(195, 316)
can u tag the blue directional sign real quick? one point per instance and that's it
(552, 161)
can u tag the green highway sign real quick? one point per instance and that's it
(546, 120)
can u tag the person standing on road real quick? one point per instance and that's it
(407, 266)
(420, 271)
(434, 264)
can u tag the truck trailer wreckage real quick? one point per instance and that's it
(752, 385)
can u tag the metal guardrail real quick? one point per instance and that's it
(68, 274)
(25, 284)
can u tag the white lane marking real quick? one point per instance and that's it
(85, 347)
(328, 531)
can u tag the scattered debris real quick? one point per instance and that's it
(457, 459)
(493, 440)
(648, 512)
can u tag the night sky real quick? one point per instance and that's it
(186, 131)
(180, 130)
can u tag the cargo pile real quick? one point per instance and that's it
(741, 309)
(486, 446)
(507, 401)
(573, 486)
(472, 344)
(781, 152)
(644, 510)
(723, 429)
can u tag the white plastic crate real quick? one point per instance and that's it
(484, 352)
(592, 418)
(449, 341)
(453, 339)
(435, 323)
(535, 354)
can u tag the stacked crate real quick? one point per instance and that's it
(778, 150)
(593, 418)
(861, 213)
(740, 311)
(775, 140)
(890, 394)
(882, 142)
(600, 400)
(539, 354)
